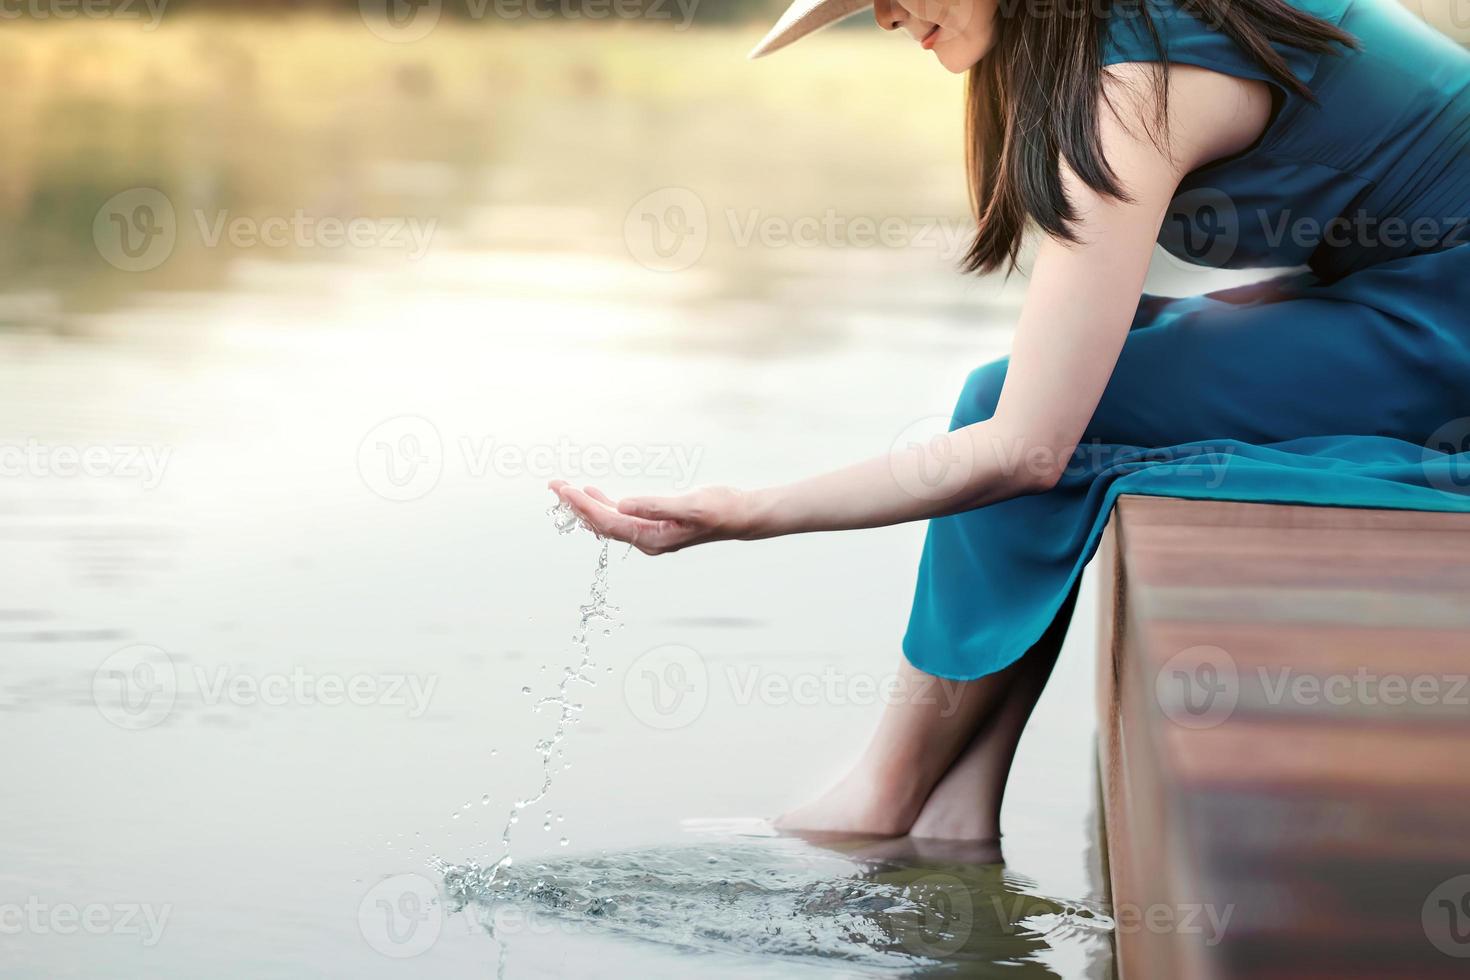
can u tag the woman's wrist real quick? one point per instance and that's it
(756, 517)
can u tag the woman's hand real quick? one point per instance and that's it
(656, 525)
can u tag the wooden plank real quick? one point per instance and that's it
(1284, 737)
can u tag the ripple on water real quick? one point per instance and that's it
(871, 906)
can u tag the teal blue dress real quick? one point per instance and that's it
(1345, 385)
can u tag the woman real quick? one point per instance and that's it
(1330, 134)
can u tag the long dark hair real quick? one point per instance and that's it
(1034, 99)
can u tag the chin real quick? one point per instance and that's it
(959, 60)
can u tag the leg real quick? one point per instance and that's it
(913, 754)
(965, 805)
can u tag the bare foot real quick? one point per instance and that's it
(857, 806)
(965, 803)
(956, 813)
(910, 850)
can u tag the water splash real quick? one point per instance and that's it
(596, 614)
(786, 898)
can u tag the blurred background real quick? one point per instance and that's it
(301, 304)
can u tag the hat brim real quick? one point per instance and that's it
(802, 18)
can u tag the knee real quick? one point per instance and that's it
(981, 393)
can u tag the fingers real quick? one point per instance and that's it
(600, 497)
(651, 508)
(647, 523)
(605, 520)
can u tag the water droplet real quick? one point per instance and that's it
(485, 800)
(563, 842)
(526, 689)
(454, 815)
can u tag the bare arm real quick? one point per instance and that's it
(1078, 308)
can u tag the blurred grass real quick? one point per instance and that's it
(266, 116)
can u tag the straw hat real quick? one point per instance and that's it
(803, 17)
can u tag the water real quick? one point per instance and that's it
(872, 908)
(354, 443)
(596, 615)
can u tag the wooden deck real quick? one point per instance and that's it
(1284, 732)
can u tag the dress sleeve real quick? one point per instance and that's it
(1191, 40)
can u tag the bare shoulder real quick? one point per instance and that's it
(1211, 114)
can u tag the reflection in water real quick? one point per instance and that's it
(874, 906)
(260, 363)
